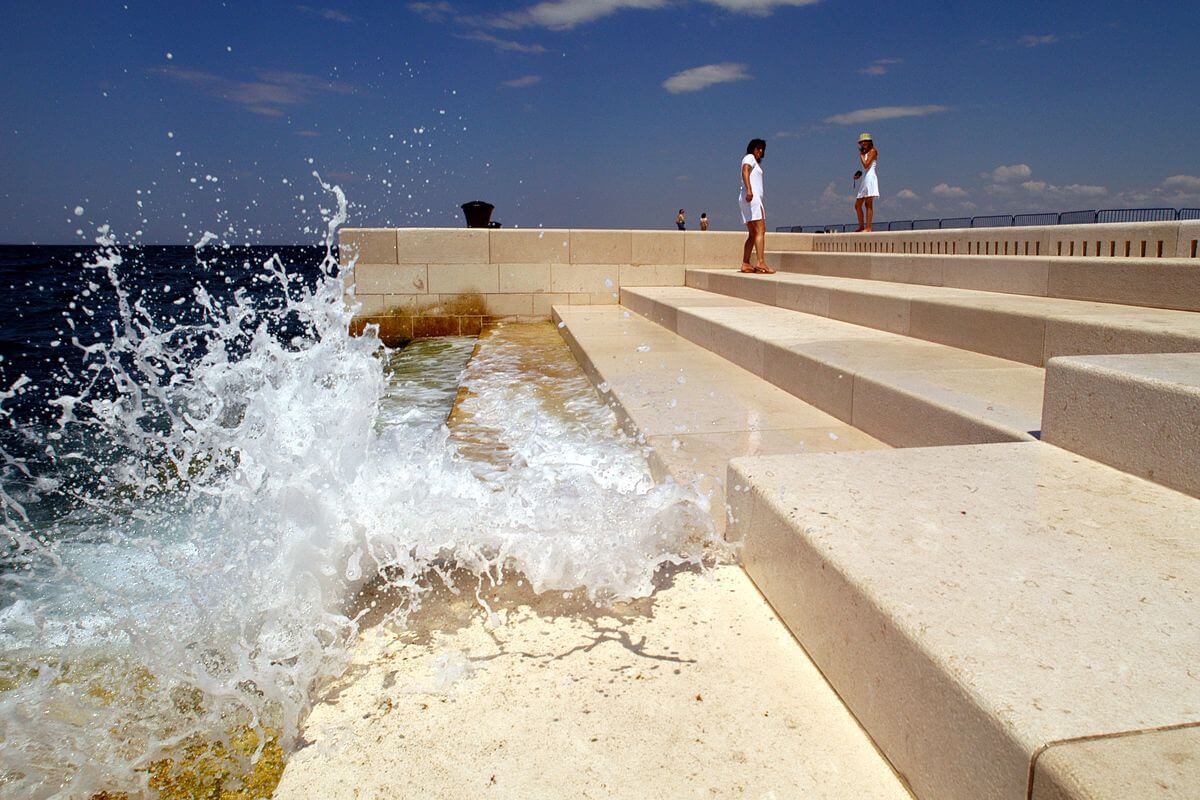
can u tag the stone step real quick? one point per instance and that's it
(903, 391)
(1027, 329)
(1000, 618)
(1151, 282)
(1138, 413)
(694, 409)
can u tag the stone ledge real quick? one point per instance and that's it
(971, 604)
(1138, 413)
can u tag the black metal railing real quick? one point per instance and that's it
(1106, 215)
(1046, 218)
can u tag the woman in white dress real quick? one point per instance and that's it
(750, 199)
(869, 189)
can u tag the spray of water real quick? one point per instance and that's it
(225, 487)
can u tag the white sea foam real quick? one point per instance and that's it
(244, 485)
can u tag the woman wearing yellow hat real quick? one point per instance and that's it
(868, 190)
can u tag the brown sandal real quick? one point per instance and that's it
(763, 269)
(747, 268)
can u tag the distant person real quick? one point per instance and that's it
(681, 220)
(703, 220)
(750, 199)
(868, 190)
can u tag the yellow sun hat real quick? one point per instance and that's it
(865, 137)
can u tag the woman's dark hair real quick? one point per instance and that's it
(755, 144)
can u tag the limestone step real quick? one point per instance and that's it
(903, 391)
(1138, 413)
(1151, 282)
(1027, 329)
(693, 408)
(998, 617)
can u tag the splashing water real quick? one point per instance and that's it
(183, 548)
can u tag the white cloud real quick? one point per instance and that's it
(266, 96)
(432, 12)
(884, 112)
(880, 66)
(1085, 190)
(907, 194)
(502, 45)
(562, 15)
(1014, 172)
(697, 78)
(758, 8)
(1184, 183)
(1074, 191)
(522, 82)
(327, 13)
(946, 190)
(831, 198)
(1030, 40)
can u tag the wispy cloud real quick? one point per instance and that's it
(522, 82)
(697, 78)
(502, 45)
(1032, 40)
(884, 112)
(760, 8)
(562, 15)
(949, 192)
(907, 194)
(269, 95)
(880, 66)
(432, 12)
(327, 13)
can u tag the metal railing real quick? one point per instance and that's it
(1047, 218)
(1006, 220)
(1137, 215)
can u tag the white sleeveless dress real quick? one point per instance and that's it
(754, 209)
(870, 182)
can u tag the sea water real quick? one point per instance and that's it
(201, 472)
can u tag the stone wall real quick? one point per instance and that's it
(415, 282)
(1117, 240)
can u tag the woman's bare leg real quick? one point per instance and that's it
(749, 246)
(870, 211)
(760, 244)
(858, 209)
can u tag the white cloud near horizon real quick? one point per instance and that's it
(1003, 174)
(697, 78)
(884, 112)
(948, 191)
(1184, 183)
(522, 82)
(907, 194)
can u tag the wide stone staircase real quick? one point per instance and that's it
(967, 483)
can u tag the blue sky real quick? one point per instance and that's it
(581, 113)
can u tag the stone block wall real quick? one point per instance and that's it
(415, 282)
